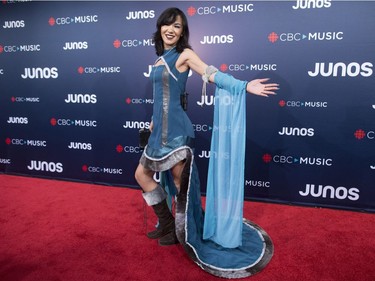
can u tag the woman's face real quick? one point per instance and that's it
(171, 33)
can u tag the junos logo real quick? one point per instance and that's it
(341, 69)
(211, 100)
(18, 120)
(331, 192)
(312, 4)
(14, 24)
(137, 15)
(80, 146)
(45, 166)
(208, 154)
(76, 46)
(217, 39)
(136, 125)
(81, 98)
(40, 73)
(302, 132)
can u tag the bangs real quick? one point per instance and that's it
(169, 19)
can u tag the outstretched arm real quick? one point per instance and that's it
(189, 59)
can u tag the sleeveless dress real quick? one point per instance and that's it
(172, 127)
(172, 141)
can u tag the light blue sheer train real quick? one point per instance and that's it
(223, 221)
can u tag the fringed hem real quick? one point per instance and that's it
(166, 162)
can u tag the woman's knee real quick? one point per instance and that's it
(139, 174)
(142, 175)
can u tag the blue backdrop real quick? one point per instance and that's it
(75, 91)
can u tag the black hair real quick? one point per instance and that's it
(166, 18)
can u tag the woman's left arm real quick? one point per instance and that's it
(257, 87)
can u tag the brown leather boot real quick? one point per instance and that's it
(166, 228)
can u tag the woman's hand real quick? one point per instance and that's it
(151, 126)
(257, 87)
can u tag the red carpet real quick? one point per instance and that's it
(56, 231)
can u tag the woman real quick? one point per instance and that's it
(170, 146)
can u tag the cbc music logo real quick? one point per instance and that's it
(98, 70)
(72, 122)
(73, 20)
(308, 4)
(329, 191)
(26, 142)
(81, 98)
(297, 160)
(25, 99)
(139, 101)
(202, 128)
(5, 161)
(14, 24)
(40, 73)
(128, 149)
(257, 183)
(14, 1)
(212, 10)
(45, 166)
(299, 104)
(140, 15)
(19, 48)
(101, 170)
(136, 125)
(273, 37)
(133, 43)
(248, 67)
(362, 134)
(341, 69)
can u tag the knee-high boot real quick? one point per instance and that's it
(166, 228)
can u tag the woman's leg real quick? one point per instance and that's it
(177, 172)
(155, 196)
(145, 178)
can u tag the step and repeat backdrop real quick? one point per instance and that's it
(75, 90)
